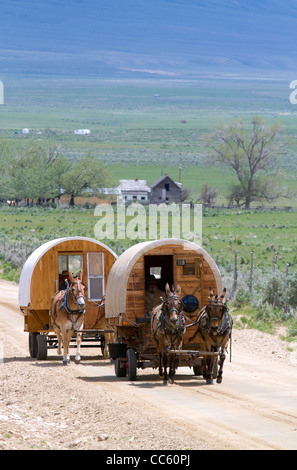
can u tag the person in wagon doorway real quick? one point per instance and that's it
(153, 296)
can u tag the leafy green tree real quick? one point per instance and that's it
(85, 177)
(32, 170)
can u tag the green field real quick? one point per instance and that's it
(142, 127)
(224, 232)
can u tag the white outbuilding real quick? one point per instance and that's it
(82, 131)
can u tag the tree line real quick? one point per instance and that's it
(252, 152)
(40, 173)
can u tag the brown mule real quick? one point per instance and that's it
(167, 328)
(67, 316)
(214, 328)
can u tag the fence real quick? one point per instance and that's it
(16, 251)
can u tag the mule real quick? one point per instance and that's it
(214, 328)
(168, 328)
(67, 316)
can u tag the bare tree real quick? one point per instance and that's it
(252, 153)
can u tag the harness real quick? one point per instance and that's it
(203, 323)
(226, 322)
(65, 306)
(167, 329)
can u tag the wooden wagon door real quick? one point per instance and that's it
(188, 273)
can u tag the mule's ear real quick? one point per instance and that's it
(210, 293)
(178, 290)
(223, 295)
(80, 276)
(71, 278)
(167, 289)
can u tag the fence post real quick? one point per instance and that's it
(274, 262)
(287, 287)
(234, 287)
(251, 272)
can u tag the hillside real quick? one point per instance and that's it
(151, 37)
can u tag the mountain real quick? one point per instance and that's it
(149, 37)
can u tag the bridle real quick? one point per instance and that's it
(167, 326)
(81, 308)
(223, 321)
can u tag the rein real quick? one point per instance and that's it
(167, 327)
(226, 323)
(65, 305)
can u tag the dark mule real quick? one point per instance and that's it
(67, 315)
(168, 327)
(214, 328)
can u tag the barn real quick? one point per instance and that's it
(164, 189)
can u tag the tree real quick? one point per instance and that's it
(84, 177)
(208, 195)
(252, 153)
(31, 171)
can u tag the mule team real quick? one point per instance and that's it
(214, 326)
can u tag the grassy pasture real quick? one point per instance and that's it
(141, 127)
(224, 232)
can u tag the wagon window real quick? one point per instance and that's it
(189, 269)
(72, 263)
(156, 271)
(96, 275)
(68, 263)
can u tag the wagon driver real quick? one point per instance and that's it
(153, 296)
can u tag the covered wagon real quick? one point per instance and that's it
(46, 271)
(172, 261)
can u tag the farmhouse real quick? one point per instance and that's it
(133, 190)
(165, 190)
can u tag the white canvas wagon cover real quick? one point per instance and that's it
(116, 291)
(28, 268)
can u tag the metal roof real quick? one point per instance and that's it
(28, 268)
(116, 290)
(134, 185)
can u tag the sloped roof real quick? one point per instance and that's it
(134, 185)
(164, 177)
(116, 290)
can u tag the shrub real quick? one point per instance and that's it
(243, 296)
(292, 290)
(274, 291)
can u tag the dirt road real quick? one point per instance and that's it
(44, 405)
